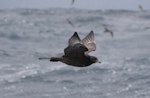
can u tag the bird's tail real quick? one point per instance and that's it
(53, 59)
(43, 58)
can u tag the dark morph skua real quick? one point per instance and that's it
(77, 52)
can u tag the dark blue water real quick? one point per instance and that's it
(27, 34)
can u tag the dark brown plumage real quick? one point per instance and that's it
(76, 53)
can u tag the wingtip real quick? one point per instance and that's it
(75, 33)
(74, 39)
(91, 32)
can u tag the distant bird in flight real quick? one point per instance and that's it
(70, 22)
(141, 8)
(72, 2)
(108, 31)
(77, 52)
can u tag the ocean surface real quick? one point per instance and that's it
(27, 34)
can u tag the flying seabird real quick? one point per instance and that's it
(72, 2)
(108, 31)
(141, 8)
(70, 22)
(77, 52)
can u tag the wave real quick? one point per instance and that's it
(34, 73)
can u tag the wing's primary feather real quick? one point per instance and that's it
(74, 39)
(88, 41)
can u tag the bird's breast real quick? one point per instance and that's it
(78, 62)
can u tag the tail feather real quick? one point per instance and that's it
(55, 59)
(43, 58)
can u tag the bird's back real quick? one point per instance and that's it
(76, 50)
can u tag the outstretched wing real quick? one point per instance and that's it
(88, 41)
(75, 47)
(74, 39)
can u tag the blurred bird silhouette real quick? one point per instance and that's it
(108, 31)
(141, 8)
(77, 52)
(72, 2)
(70, 22)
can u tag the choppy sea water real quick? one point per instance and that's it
(27, 34)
